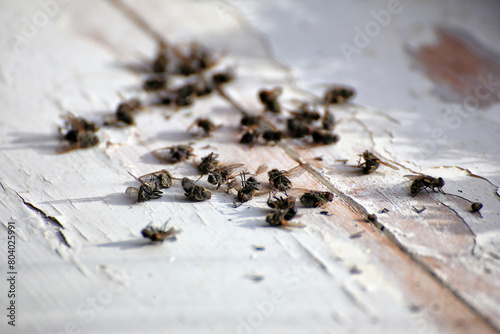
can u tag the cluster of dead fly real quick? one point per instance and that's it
(176, 77)
(283, 208)
(305, 121)
(235, 179)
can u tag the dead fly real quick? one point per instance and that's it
(306, 113)
(161, 61)
(298, 129)
(195, 192)
(222, 174)
(324, 137)
(126, 109)
(180, 96)
(173, 154)
(279, 179)
(203, 87)
(250, 120)
(202, 56)
(205, 124)
(272, 135)
(422, 181)
(314, 198)
(269, 98)
(78, 133)
(159, 234)
(163, 178)
(372, 162)
(250, 136)
(249, 186)
(223, 77)
(209, 163)
(328, 121)
(145, 192)
(338, 94)
(184, 95)
(286, 204)
(198, 59)
(155, 82)
(278, 218)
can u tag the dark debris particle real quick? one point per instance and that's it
(255, 277)
(422, 209)
(356, 235)
(476, 206)
(414, 308)
(355, 270)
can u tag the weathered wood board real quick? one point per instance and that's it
(82, 265)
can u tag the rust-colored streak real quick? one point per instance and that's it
(463, 69)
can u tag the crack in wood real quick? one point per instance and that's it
(465, 223)
(376, 112)
(394, 162)
(469, 173)
(50, 220)
(363, 125)
(313, 256)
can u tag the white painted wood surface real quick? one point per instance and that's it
(83, 266)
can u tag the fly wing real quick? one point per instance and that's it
(297, 192)
(388, 165)
(147, 178)
(261, 169)
(230, 167)
(233, 184)
(132, 193)
(413, 177)
(162, 153)
(295, 171)
(72, 121)
(292, 172)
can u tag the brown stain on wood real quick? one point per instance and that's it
(461, 67)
